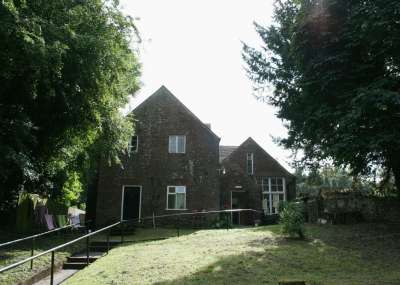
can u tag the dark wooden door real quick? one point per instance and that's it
(131, 205)
(239, 201)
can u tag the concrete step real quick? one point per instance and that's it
(81, 259)
(99, 248)
(74, 265)
(59, 277)
(81, 256)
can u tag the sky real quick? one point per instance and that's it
(193, 47)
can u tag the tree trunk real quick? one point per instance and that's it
(396, 173)
(395, 166)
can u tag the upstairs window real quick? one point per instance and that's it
(176, 198)
(133, 144)
(250, 163)
(177, 144)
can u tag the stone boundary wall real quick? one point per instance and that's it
(352, 207)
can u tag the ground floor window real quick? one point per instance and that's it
(176, 198)
(273, 192)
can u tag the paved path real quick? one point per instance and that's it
(64, 274)
(59, 277)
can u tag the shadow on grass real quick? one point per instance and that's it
(352, 236)
(330, 255)
(22, 250)
(295, 261)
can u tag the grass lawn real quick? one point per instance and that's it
(330, 255)
(20, 251)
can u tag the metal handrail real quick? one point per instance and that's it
(193, 213)
(121, 222)
(57, 247)
(34, 236)
(106, 228)
(201, 212)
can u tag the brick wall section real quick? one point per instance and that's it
(264, 165)
(154, 168)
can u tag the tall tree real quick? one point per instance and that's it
(66, 69)
(326, 177)
(335, 70)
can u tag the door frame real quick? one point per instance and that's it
(235, 191)
(140, 200)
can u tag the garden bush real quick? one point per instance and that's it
(292, 219)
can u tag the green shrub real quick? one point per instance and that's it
(222, 222)
(292, 219)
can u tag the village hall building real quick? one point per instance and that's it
(175, 164)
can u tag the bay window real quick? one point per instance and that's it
(273, 191)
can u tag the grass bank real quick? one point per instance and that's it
(362, 254)
(22, 250)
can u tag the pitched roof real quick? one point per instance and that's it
(225, 151)
(251, 140)
(163, 91)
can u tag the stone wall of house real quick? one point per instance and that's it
(153, 168)
(264, 165)
(251, 195)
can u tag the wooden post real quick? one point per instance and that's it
(108, 240)
(87, 250)
(177, 225)
(154, 222)
(32, 250)
(52, 268)
(227, 220)
(122, 232)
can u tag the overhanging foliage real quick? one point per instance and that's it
(335, 69)
(66, 69)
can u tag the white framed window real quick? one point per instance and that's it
(177, 144)
(273, 191)
(133, 144)
(176, 198)
(250, 163)
(276, 184)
